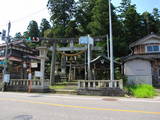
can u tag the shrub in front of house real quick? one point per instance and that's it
(142, 91)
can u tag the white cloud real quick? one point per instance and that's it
(21, 12)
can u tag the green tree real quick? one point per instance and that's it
(156, 15)
(32, 29)
(44, 26)
(61, 11)
(148, 23)
(99, 24)
(72, 29)
(18, 35)
(124, 5)
(84, 15)
(132, 25)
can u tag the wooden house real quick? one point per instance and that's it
(143, 64)
(20, 57)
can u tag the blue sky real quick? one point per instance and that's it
(142, 5)
(146, 5)
(20, 12)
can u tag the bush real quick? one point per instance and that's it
(142, 91)
(120, 76)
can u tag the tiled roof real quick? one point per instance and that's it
(141, 41)
(149, 57)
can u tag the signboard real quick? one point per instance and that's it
(3, 35)
(30, 76)
(90, 40)
(34, 65)
(38, 74)
(24, 65)
(83, 40)
(86, 40)
(6, 78)
(2, 62)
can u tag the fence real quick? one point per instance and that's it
(93, 84)
(23, 84)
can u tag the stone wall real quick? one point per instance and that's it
(101, 92)
(23, 85)
(19, 88)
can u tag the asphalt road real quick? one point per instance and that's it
(24, 106)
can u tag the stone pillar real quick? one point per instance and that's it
(43, 56)
(63, 64)
(52, 73)
(56, 69)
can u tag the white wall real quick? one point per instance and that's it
(138, 71)
(152, 41)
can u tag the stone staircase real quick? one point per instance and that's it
(69, 88)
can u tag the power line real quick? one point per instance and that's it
(23, 18)
(34, 13)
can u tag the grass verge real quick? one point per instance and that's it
(142, 91)
(64, 85)
(60, 85)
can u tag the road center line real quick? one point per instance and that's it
(72, 106)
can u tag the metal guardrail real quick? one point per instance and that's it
(93, 84)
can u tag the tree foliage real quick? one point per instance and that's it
(83, 15)
(74, 18)
(18, 35)
(45, 25)
(61, 11)
(32, 29)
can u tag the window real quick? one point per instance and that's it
(154, 48)
(1, 52)
(149, 48)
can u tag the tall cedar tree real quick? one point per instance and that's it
(44, 26)
(132, 25)
(84, 14)
(32, 29)
(61, 13)
(156, 15)
(99, 24)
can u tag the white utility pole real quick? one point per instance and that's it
(89, 60)
(111, 47)
(108, 47)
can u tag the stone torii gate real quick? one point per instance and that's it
(53, 41)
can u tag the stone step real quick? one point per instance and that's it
(62, 91)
